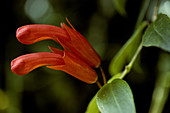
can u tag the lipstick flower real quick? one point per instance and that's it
(77, 58)
(66, 36)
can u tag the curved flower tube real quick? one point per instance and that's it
(26, 63)
(59, 60)
(67, 37)
(30, 34)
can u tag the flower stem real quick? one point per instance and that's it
(98, 84)
(103, 75)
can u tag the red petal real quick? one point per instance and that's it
(33, 33)
(76, 67)
(81, 47)
(57, 51)
(26, 63)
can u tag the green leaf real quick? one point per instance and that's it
(165, 8)
(116, 76)
(120, 6)
(116, 97)
(158, 33)
(92, 107)
(127, 51)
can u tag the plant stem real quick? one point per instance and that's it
(103, 75)
(142, 13)
(155, 13)
(98, 84)
(129, 66)
(160, 93)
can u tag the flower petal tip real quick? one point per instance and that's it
(22, 33)
(26, 63)
(16, 67)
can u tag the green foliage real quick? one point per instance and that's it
(116, 97)
(4, 100)
(164, 62)
(165, 8)
(92, 107)
(157, 34)
(127, 51)
(162, 84)
(120, 6)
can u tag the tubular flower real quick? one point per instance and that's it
(75, 67)
(26, 63)
(30, 34)
(59, 60)
(68, 37)
(77, 58)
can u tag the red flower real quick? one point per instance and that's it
(59, 60)
(77, 58)
(67, 37)
(75, 67)
(26, 63)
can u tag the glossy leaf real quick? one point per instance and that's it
(127, 51)
(158, 33)
(165, 8)
(92, 107)
(116, 97)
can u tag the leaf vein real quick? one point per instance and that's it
(114, 97)
(157, 32)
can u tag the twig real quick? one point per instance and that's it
(129, 66)
(98, 84)
(103, 75)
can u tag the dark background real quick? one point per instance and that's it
(50, 91)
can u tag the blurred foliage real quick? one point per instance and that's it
(50, 91)
(4, 101)
(162, 84)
